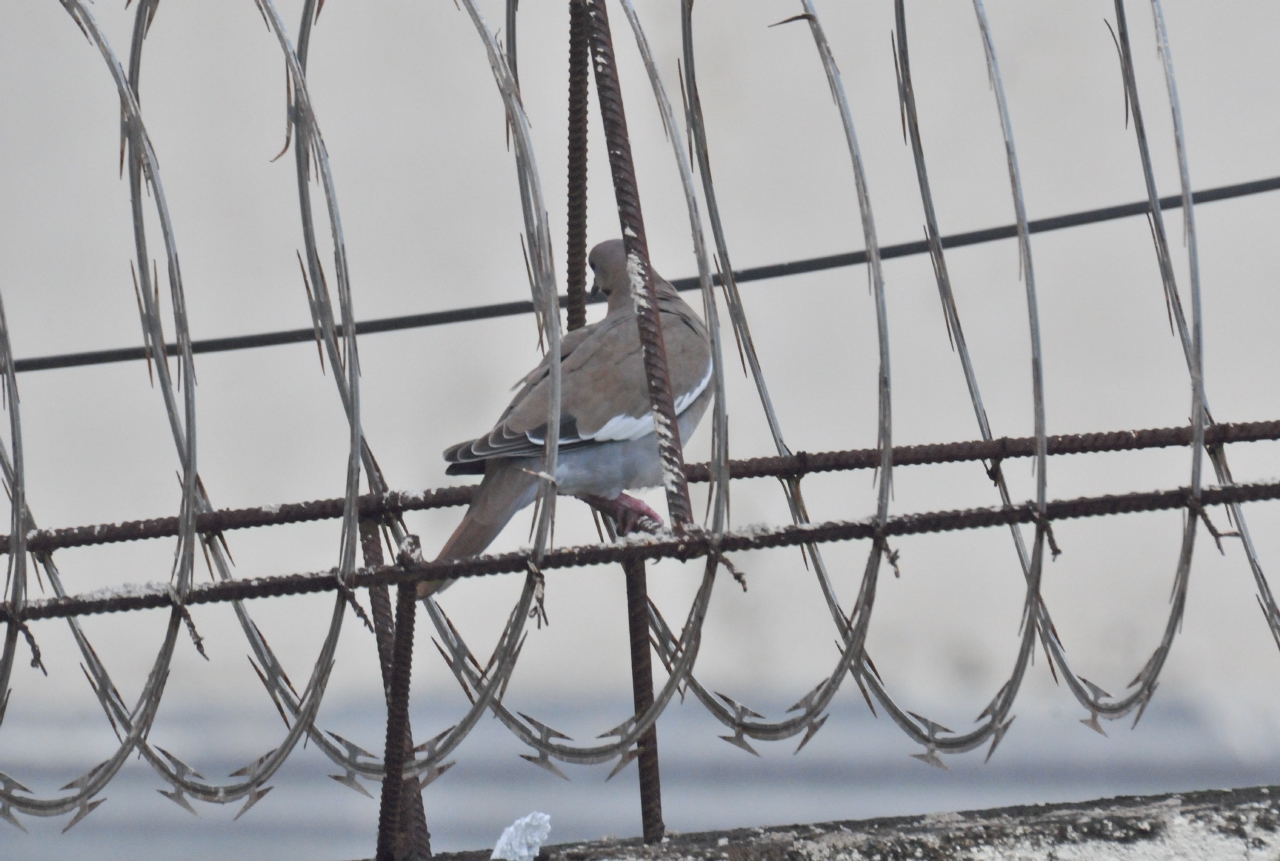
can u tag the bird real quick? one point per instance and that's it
(607, 440)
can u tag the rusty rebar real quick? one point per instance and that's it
(657, 378)
(642, 690)
(579, 84)
(684, 546)
(631, 220)
(397, 723)
(384, 627)
(412, 838)
(798, 464)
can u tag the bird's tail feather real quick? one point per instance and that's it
(506, 489)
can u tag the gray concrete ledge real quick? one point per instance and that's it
(1233, 823)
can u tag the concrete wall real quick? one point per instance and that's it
(1238, 823)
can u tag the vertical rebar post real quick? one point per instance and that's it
(384, 627)
(642, 688)
(402, 821)
(645, 293)
(413, 838)
(658, 378)
(579, 81)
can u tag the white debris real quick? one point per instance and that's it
(125, 590)
(522, 839)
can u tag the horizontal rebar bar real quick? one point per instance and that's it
(213, 522)
(690, 545)
(757, 273)
(802, 463)
(799, 464)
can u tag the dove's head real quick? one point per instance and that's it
(609, 263)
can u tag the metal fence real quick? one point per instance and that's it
(373, 519)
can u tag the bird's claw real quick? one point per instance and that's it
(628, 513)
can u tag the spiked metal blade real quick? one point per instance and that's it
(739, 740)
(8, 784)
(83, 780)
(84, 810)
(620, 730)
(807, 701)
(254, 798)
(6, 813)
(349, 779)
(354, 751)
(179, 798)
(814, 726)
(429, 776)
(991, 706)
(1092, 723)
(251, 770)
(543, 761)
(930, 757)
(738, 707)
(1098, 693)
(623, 761)
(183, 770)
(429, 746)
(1145, 700)
(546, 731)
(932, 727)
(995, 738)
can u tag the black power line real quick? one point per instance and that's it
(758, 273)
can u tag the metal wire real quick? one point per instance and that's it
(790, 466)
(740, 276)
(665, 546)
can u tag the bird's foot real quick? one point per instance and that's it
(628, 513)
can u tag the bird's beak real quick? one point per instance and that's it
(596, 294)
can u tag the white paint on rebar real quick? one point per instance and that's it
(636, 278)
(125, 590)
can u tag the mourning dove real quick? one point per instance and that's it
(607, 442)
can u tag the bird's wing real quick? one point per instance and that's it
(603, 391)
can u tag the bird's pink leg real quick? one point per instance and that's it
(630, 514)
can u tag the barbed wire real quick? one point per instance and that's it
(336, 330)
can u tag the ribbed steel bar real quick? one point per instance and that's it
(643, 291)
(642, 692)
(575, 264)
(384, 619)
(644, 296)
(719, 470)
(412, 838)
(397, 723)
(795, 465)
(690, 545)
